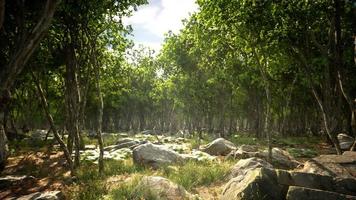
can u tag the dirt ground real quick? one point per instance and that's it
(47, 169)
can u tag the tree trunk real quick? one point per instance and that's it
(100, 120)
(51, 122)
(72, 97)
(326, 121)
(2, 12)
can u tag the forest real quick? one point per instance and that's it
(251, 99)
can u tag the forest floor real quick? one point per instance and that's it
(46, 165)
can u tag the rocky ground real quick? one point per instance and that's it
(146, 166)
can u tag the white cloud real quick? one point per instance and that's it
(157, 18)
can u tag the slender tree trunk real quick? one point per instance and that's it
(72, 97)
(2, 12)
(51, 122)
(100, 121)
(326, 124)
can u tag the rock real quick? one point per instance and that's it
(125, 140)
(219, 147)
(8, 181)
(197, 155)
(297, 193)
(281, 158)
(4, 149)
(308, 180)
(90, 147)
(147, 132)
(162, 189)
(245, 165)
(260, 183)
(342, 166)
(39, 134)
(130, 144)
(155, 155)
(248, 148)
(267, 183)
(316, 181)
(52, 195)
(345, 141)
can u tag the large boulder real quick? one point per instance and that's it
(219, 147)
(245, 165)
(267, 183)
(162, 189)
(296, 193)
(260, 183)
(4, 149)
(155, 155)
(345, 141)
(281, 158)
(49, 195)
(342, 166)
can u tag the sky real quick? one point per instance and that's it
(151, 21)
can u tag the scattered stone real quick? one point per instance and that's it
(296, 193)
(52, 195)
(245, 165)
(125, 140)
(345, 141)
(8, 181)
(197, 155)
(219, 147)
(90, 147)
(162, 189)
(248, 148)
(38, 134)
(155, 155)
(130, 144)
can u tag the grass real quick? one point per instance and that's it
(189, 175)
(302, 153)
(130, 191)
(194, 174)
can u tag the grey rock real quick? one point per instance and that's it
(52, 195)
(155, 155)
(260, 183)
(129, 144)
(162, 189)
(245, 165)
(345, 141)
(297, 193)
(342, 166)
(9, 181)
(280, 157)
(219, 147)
